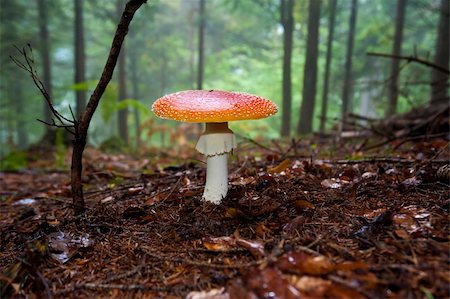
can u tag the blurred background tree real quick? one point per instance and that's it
(243, 49)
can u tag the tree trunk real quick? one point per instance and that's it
(45, 56)
(346, 92)
(310, 71)
(122, 85)
(135, 90)
(326, 76)
(201, 45)
(191, 43)
(396, 50)
(82, 125)
(80, 58)
(287, 21)
(439, 80)
(17, 95)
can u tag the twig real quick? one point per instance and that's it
(257, 144)
(203, 264)
(48, 293)
(105, 286)
(125, 275)
(338, 280)
(28, 66)
(412, 58)
(382, 160)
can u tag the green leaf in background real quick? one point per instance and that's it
(82, 86)
(14, 161)
(132, 103)
(111, 106)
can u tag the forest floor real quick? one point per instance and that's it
(301, 220)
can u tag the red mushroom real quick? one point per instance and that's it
(216, 108)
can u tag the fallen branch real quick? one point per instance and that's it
(411, 58)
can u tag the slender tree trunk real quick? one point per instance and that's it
(396, 50)
(45, 56)
(191, 43)
(439, 80)
(122, 84)
(163, 86)
(326, 76)
(201, 45)
(17, 95)
(346, 92)
(310, 72)
(80, 57)
(82, 125)
(287, 21)
(135, 90)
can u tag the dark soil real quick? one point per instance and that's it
(301, 220)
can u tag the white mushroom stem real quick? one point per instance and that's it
(216, 142)
(216, 186)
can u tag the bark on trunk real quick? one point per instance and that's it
(310, 72)
(326, 77)
(82, 126)
(17, 95)
(45, 56)
(80, 57)
(122, 84)
(201, 45)
(287, 21)
(346, 92)
(135, 90)
(396, 50)
(440, 80)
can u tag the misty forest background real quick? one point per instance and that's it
(277, 49)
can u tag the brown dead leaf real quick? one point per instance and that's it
(309, 284)
(266, 283)
(261, 230)
(342, 292)
(219, 243)
(280, 167)
(348, 266)
(211, 294)
(402, 234)
(302, 263)
(231, 213)
(254, 247)
(331, 183)
(303, 204)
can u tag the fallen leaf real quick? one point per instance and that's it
(349, 266)
(266, 283)
(280, 167)
(303, 204)
(254, 247)
(331, 183)
(302, 263)
(211, 294)
(311, 284)
(219, 244)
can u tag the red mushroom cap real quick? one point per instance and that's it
(212, 106)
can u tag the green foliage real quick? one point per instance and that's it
(110, 106)
(243, 46)
(113, 144)
(14, 161)
(132, 103)
(428, 294)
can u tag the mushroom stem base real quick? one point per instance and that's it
(216, 186)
